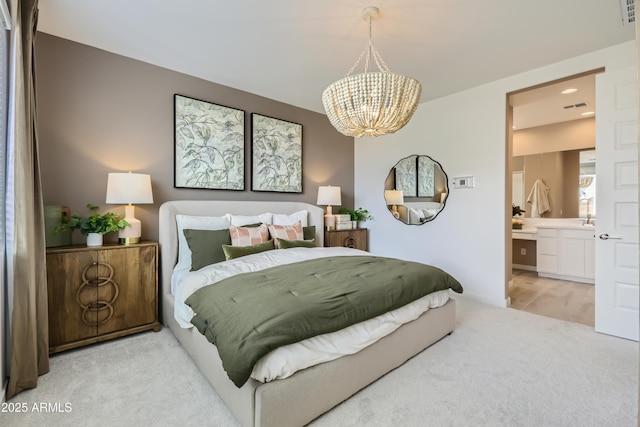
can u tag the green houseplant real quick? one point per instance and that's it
(94, 224)
(359, 214)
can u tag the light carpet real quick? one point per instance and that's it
(500, 367)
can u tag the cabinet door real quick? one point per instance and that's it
(127, 295)
(590, 259)
(571, 257)
(347, 238)
(70, 296)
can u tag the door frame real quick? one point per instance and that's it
(508, 274)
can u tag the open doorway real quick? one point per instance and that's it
(551, 164)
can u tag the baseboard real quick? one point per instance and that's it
(524, 267)
(477, 297)
(568, 278)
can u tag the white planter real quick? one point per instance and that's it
(94, 239)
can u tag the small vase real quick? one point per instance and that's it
(354, 225)
(94, 239)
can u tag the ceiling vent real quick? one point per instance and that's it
(578, 105)
(628, 12)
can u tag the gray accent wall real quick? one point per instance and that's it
(99, 112)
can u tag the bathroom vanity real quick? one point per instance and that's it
(564, 249)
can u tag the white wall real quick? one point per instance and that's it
(465, 132)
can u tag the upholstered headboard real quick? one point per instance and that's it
(168, 231)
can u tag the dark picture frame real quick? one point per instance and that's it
(415, 176)
(209, 145)
(276, 155)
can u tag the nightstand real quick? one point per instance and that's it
(357, 239)
(99, 293)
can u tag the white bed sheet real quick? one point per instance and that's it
(285, 361)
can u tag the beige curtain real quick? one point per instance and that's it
(25, 237)
(585, 181)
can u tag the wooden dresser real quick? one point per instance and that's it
(357, 238)
(100, 293)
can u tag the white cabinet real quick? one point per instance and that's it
(566, 254)
(590, 258)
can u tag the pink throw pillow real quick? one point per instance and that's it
(248, 236)
(286, 232)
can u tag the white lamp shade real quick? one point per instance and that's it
(329, 196)
(394, 197)
(125, 188)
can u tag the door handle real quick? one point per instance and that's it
(605, 236)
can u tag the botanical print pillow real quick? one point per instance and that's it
(248, 236)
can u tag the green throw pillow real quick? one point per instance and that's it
(232, 252)
(206, 246)
(309, 232)
(286, 244)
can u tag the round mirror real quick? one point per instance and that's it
(416, 189)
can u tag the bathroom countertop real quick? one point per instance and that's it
(567, 226)
(531, 233)
(527, 233)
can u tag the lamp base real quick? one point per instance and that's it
(132, 232)
(129, 240)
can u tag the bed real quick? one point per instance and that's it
(308, 393)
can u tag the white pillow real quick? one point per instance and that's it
(430, 213)
(240, 220)
(186, 222)
(415, 215)
(284, 219)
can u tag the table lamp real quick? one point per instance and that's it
(328, 195)
(394, 198)
(129, 188)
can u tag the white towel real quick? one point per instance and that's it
(539, 199)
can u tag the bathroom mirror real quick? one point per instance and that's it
(416, 190)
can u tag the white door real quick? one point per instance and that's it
(617, 257)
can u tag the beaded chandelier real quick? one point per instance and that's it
(371, 103)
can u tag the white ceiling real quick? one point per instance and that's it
(547, 104)
(290, 50)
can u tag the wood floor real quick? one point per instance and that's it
(560, 299)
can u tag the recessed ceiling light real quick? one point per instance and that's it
(588, 113)
(570, 90)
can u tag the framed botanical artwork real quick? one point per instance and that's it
(276, 157)
(209, 145)
(426, 174)
(405, 176)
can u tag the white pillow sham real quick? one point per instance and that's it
(240, 220)
(284, 219)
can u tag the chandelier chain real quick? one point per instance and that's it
(370, 51)
(371, 103)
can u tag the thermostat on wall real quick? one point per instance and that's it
(463, 182)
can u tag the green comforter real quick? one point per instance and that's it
(248, 315)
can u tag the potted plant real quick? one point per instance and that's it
(95, 226)
(356, 215)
